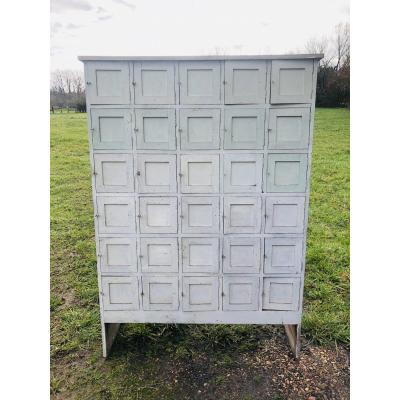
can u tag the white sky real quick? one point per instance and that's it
(183, 27)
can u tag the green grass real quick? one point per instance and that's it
(141, 350)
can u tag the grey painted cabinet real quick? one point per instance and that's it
(201, 176)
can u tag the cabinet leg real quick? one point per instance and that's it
(109, 332)
(293, 335)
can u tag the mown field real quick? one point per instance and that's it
(205, 362)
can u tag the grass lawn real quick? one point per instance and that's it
(149, 361)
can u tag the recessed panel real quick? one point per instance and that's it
(283, 255)
(242, 255)
(284, 214)
(120, 293)
(117, 255)
(200, 214)
(200, 255)
(116, 214)
(159, 255)
(155, 129)
(156, 173)
(200, 293)
(113, 173)
(158, 215)
(291, 81)
(200, 173)
(200, 82)
(241, 293)
(242, 214)
(243, 173)
(154, 82)
(160, 293)
(281, 294)
(111, 129)
(244, 128)
(246, 82)
(286, 173)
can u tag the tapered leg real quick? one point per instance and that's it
(109, 332)
(293, 335)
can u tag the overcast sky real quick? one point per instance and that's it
(196, 27)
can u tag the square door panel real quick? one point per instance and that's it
(281, 294)
(158, 214)
(286, 173)
(242, 255)
(160, 293)
(200, 293)
(289, 128)
(200, 255)
(241, 293)
(113, 172)
(154, 82)
(200, 82)
(200, 214)
(283, 255)
(199, 128)
(199, 173)
(155, 129)
(120, 293)
(244, 128)
(107, 82)
(111, 128)
(284, 214)
(246, 82)
(291, 81)
(242, 214)
(156, 173)
(117, 255)
(243, 173)
(159, 254)
(116, 214)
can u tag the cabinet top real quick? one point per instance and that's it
(209, 58)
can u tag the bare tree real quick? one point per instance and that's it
(77, 82)
(342, 45)
(57, 82)
(320, 46)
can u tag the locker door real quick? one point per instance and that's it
(200, 293)
(283, 255)
(200, 214)
(246, 82)
(242, 215)
(291, 81)
(113, 173)
(289, 128)
(116, 214)
(284, 214)
(281, 294)
(243, 173)
(244, 128)
(199, 173)
(159, 254)
(286, 173)
(111, 128)
(156, 173)
(107, 82)
(240, 293)
(155, 129)
(160, 293)
(158, 214)
(154, 82)
(200, 255)
(200, 82)
(242, 255)
(118, 255)
(199, 129)
(120, 293)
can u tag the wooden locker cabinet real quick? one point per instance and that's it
(201, 176)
